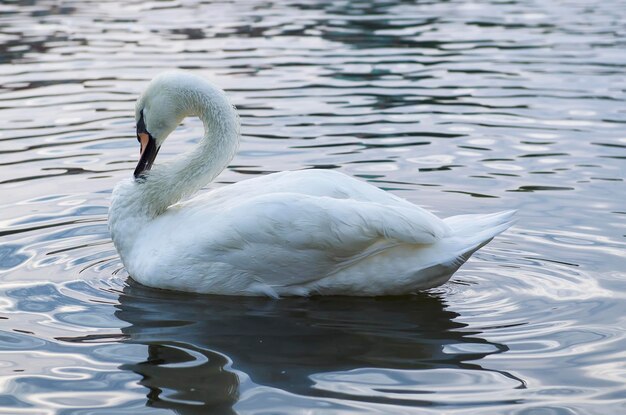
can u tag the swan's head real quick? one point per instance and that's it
(159, 110)
(168, 99)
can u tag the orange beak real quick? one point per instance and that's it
(143, 139)
(148, 150)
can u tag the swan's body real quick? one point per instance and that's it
(291, 233)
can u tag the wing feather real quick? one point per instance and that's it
(288, 238)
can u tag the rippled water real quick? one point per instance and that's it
(458, 106)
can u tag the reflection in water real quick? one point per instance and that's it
(282, 344)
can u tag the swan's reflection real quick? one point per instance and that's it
(281, 343)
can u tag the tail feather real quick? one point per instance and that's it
(477, 230)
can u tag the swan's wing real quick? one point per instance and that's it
(286, 239)
(312, 182)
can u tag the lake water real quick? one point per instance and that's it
(459, 106)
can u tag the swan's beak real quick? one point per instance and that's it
(148, 150)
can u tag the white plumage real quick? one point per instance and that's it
(290, 233)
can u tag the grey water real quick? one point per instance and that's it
(458, 106)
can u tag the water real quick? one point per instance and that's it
(460, 107)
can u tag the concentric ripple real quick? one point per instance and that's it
(458, 106)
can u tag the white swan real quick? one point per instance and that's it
(290, 233)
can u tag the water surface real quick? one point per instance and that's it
(458, 106)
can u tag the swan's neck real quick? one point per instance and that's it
(168, 183)
(138, 201)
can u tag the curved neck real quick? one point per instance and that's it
(168, 183)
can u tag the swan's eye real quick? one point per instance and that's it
(141, 126)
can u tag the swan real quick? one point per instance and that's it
(292, 233)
